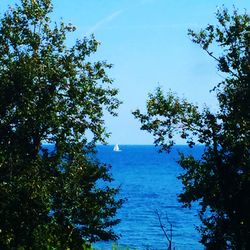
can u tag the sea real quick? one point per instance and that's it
(149, 184)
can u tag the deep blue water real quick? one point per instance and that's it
(148, 182)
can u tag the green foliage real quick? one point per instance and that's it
(53, 94)
(113, 247)
(220, 180)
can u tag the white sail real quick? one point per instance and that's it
(116, 147)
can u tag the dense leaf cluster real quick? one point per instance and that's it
(220, 180)
(52, 94)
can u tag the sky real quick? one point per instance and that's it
(147, 42)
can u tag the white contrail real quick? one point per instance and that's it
(104, 21)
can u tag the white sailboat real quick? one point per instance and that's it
(116, 148)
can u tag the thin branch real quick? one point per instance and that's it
(162, 226)
(218, 60)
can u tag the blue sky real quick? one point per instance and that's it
(147, 42)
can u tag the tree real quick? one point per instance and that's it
(220, 179)
(57, 198)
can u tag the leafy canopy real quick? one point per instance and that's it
(220, 180)
(52, 196)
